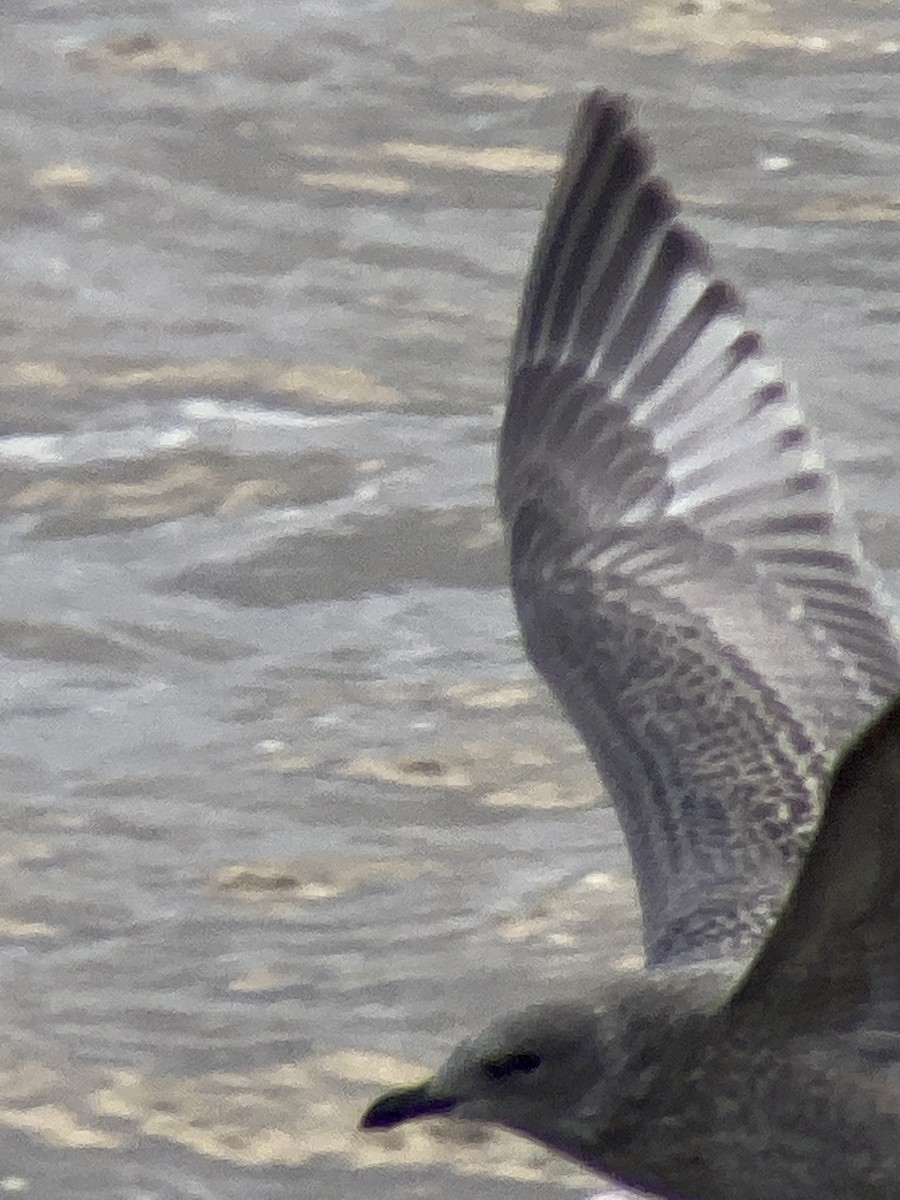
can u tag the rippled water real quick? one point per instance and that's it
(282, 799)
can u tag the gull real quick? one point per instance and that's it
(690, 585)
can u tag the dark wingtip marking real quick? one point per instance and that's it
(684, 249)
(769, 393)
(655, 205)
(602, 111)
(632, 160)
(601, 122)
(604, 120)
(745, 346)
(789, 439)
(807, 481)
(718, 299)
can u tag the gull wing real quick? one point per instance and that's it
(685, 577)
(832, 961)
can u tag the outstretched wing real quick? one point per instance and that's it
(684, 575)
(832, 961)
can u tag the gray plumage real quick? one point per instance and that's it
(693, 592)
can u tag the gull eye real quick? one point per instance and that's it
(522, 1063)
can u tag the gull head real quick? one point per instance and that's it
(540, 1072)
(574, 1075)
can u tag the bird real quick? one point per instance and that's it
(690, 584)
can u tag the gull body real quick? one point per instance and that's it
(691, 588)
(658, 1087)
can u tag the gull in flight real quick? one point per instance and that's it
(690, 586)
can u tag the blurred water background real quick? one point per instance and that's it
(284, 810)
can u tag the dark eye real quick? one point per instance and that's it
(521, 1063)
